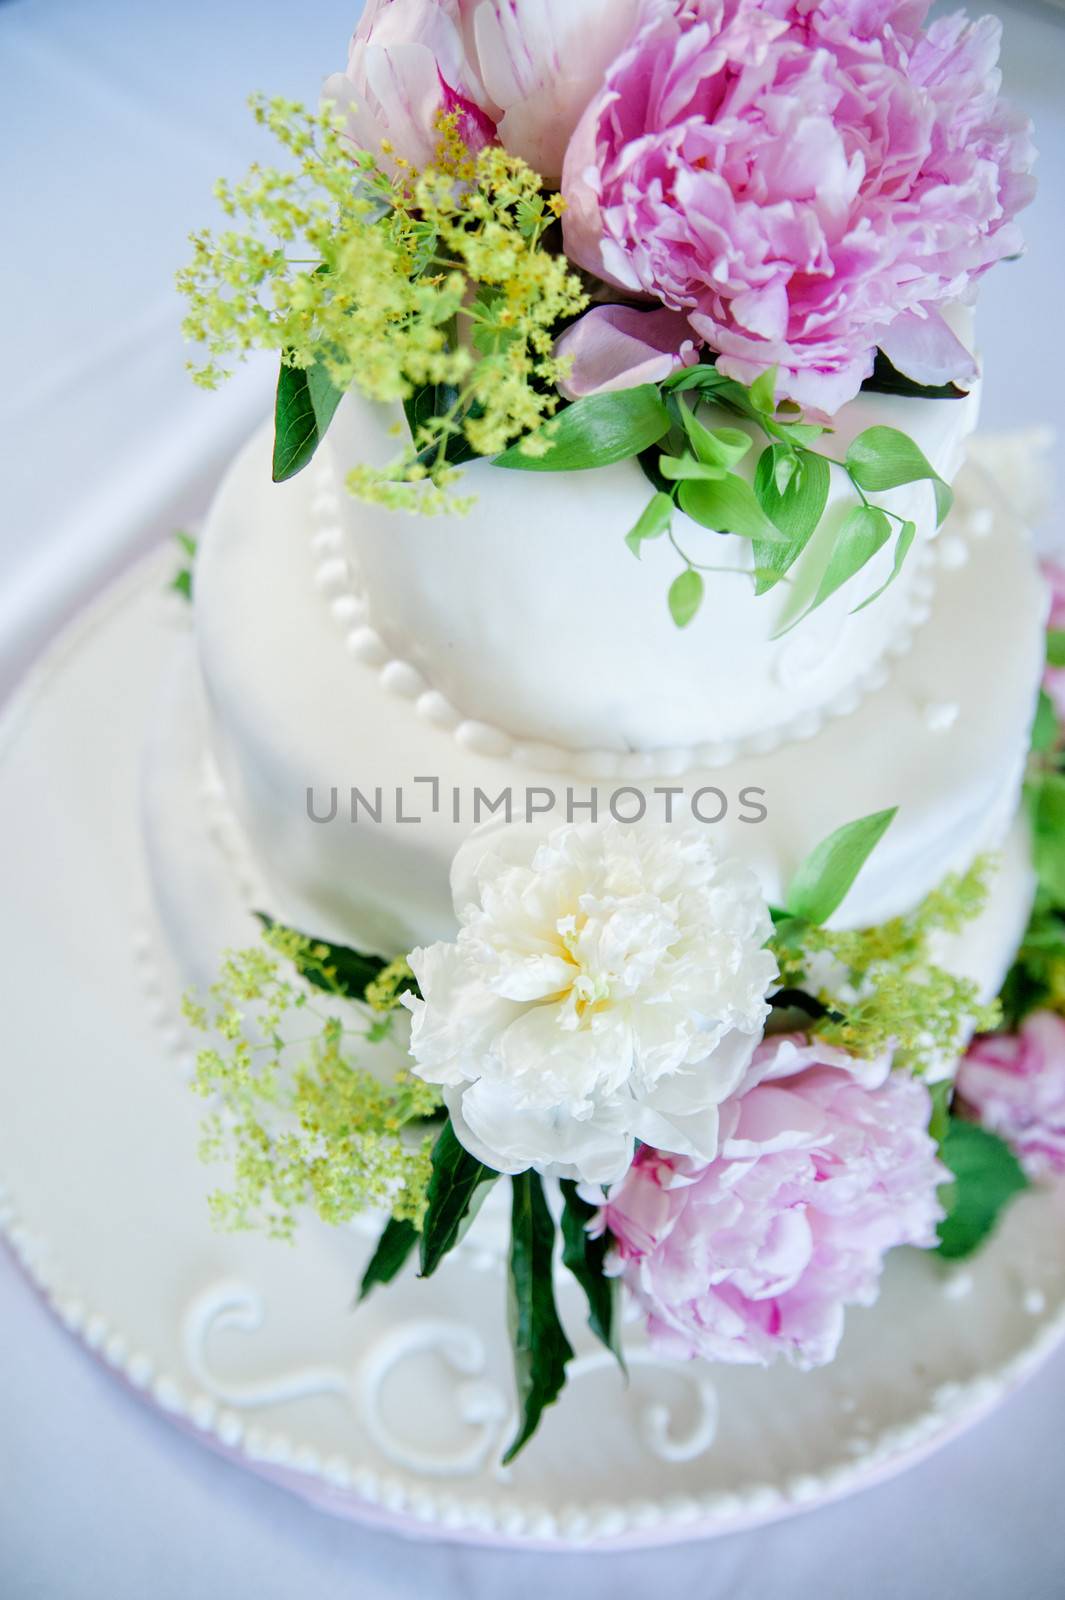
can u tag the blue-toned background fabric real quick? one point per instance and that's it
(118, 115)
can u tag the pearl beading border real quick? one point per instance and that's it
(392, 1494)
(334, 577)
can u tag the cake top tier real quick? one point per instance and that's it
(529, 615)
(663, 261)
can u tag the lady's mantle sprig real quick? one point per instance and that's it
(884, 989)
(301, 1125)
(424, 283)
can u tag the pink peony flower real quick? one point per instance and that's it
(1014, 1083)
(1054, 677)
(825, 1164)
(615, 347)
(521, 71)
(407, 65)
(805, 181)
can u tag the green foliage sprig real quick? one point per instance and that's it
(781, 509)
(397, 285)
(299, 1122)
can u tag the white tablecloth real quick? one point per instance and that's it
(118, 114)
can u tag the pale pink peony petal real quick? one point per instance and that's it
(541, 61)
(406, 66)
(1014, 1083)
(825, 1164)
(520, 71)
(925, 349)
(616, 347)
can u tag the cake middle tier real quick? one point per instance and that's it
(530, 615)
(354, 784)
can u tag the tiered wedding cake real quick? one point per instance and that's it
(691, 903)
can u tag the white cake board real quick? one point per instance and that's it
(396, 1414)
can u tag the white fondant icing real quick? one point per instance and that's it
(293, 712)
(531, 615)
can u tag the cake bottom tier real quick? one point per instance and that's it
(208, 882)
(397, 1414)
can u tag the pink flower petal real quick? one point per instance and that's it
(925, 349)
(802, 181)
(756, 1254)
(616, 347)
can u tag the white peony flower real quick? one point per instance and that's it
(608, 984)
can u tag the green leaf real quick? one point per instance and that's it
(795, 509)
(596, 431)
(704, 377)
(648, 461)
(429, 401)
(941, 1094)
(1046, 729)
(304, 407)
(882, 458)
(716, 387)
(1056, 647)
(541, 1349)
(181, 582)
(1030, 981)
(682, 469)
(863, 532)
(394, 1249)
(803, 434)
(653, 521)
(457, 1187)
(1046, 803)
(685, 596)
(763, 392)
(986, 1176)
(715, 447)
(586, 1257)
(728, 505)
(784, 464)
(798, 507)
(823, 879)
(490, 335)
(906, 535)
(800, 1000)
(337, 969)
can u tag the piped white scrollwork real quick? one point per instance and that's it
(484, 1414)
(480, 1404)
(654, 1420)
(236, 1305)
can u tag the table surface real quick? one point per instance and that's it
(120, 115)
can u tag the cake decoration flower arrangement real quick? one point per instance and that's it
(682, 232)
(715, 1112)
